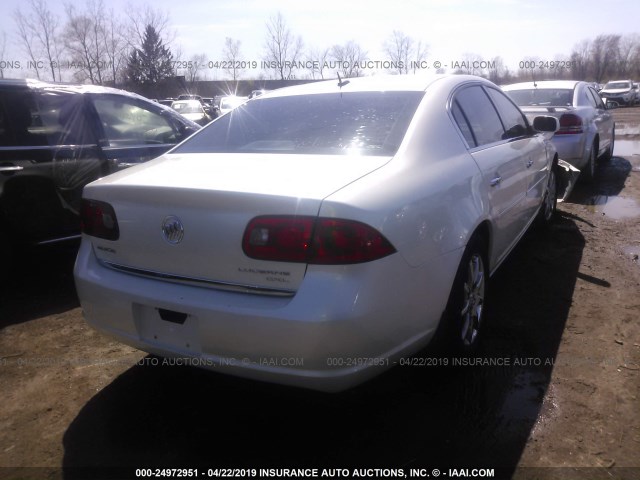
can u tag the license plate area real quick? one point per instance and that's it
(177, 330)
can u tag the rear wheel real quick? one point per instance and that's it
(550, 202)
(588, 173)
(466, 305)
(609, 153)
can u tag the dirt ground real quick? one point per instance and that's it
(557, 396)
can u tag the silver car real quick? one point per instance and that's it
(587, 129)
(619, 93)
(315, 235)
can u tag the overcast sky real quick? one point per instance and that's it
(511, 29)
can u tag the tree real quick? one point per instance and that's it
(83, 43)
(404, 53)
(349, 58)
(317, 59)
(114, 44)
(140, 18)
(3, 46)
(603, 55)
(152, 63)
(38, 33)
(231, 54)
(283, 49)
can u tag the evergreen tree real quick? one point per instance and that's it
(151, 63)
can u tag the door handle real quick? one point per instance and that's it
(495, 181)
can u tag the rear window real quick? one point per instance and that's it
(367, 123)
(532, 97)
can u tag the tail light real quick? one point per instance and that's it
(98, 219)
(569, 124)
(314, 240)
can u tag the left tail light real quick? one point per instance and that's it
(98, 219)
(301, 239)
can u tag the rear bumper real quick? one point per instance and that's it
(572, 149)
(343, 326)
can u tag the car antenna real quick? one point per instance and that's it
(342, 83)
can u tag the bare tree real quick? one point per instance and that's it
(497, 70)
(143, 16)
(194, 66)
(400, 48)
(79, 41)
(3, 46)
(317, 59)
(603, 55)
(283, 49)
(580, 62)
(114, 45)
(231, 55)
(349, 59)
(38, 34)
(628, 50)
(420, 55)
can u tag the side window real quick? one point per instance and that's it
(463, 124)
(481, 115)
(20, 123)
(589, 100)
(128, 121)
(515, 123)
(596, 98)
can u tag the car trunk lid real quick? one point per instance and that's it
(208, 200)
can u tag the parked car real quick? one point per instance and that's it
(54, 139)
(190, 96)
(618, 93)
(587, 129)
(316, 234)
(193, 110)
(230, 102)
(257, 93)
(209, 107)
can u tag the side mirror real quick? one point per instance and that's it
(546, 123)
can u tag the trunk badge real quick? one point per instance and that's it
(172, 230)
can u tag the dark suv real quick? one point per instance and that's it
(56, 138)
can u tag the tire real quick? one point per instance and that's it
(588, 173)
(609, 153)
(550, 201)
(466, 305)
(8, 263)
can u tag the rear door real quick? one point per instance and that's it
(48, 152)
(602, 119)
(527, 145)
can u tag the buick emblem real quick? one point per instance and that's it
(172, 230)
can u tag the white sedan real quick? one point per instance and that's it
(317, 234)
(587, 129)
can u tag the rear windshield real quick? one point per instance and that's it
(367, 123)
(530, 97)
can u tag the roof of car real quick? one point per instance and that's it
(543, 84)
(372, 83)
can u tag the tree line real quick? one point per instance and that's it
(99, 46)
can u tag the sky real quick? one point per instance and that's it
(515, 30)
